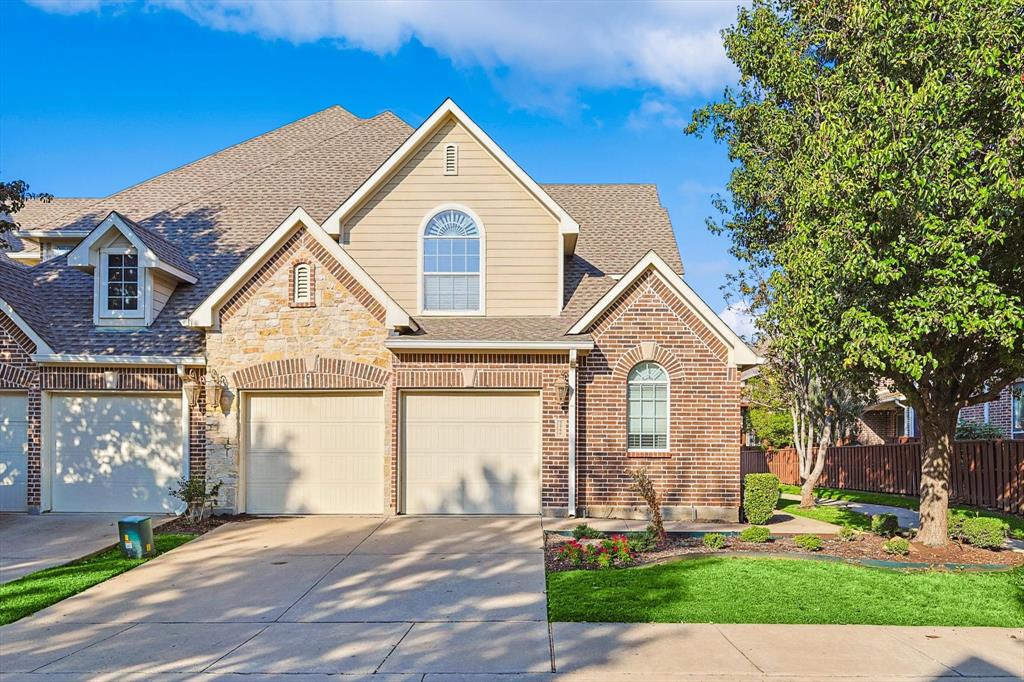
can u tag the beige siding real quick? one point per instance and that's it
(522, 240)
(163, 287)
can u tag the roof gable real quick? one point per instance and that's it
(740, 354)
(448, 110)
(154, 251)
(204, 316)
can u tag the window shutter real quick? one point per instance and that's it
(451, 159)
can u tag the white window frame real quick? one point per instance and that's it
(421, 289)
(1015, 399)
(668, 408)
(296, 269)
(105, 311)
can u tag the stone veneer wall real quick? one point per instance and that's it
(700, 474)
(266, 342)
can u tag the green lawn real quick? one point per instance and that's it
(733, 590)
(837, 515)
(38, 590)
(1015, 522)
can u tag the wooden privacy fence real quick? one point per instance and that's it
(983, 473)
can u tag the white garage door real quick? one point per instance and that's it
(472, 453)
(116, 453)
(315, 454)
(13, 451)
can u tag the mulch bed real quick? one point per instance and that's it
(866, 546)
(183, 525)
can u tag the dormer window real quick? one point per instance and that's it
(120, 286)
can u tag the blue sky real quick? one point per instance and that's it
(110, 94)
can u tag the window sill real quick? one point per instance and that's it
(645, 454)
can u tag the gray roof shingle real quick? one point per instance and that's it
(206, 217)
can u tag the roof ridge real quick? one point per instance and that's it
(361, 122)
(187, 164)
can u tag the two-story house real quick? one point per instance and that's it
(349, 315)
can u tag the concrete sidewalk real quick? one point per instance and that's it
(32, 542)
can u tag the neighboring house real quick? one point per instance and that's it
(890, 419)
(29, 245)
(1006, 412)
(348, 315)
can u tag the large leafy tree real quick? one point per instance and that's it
(879, 167)
(13, 195)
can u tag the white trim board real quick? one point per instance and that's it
(740, 354)
(204, 316)
(448, 108)
(414, 343)
(86, 257)
(51, 358)
(41, 346)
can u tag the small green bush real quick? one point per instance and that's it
(760, 497)
(811, 543)
(955, 525)
(755, 534)
(897, 545)
(848, 534)
(585, 532)
(646, 541)
(1017, 533)
(978, 431)
(885, 525)
(984, 532)
(714, 541)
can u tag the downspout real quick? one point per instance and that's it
(572, 432)
(186, 424)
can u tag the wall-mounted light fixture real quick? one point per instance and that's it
(190, 385)
(562, 387)
(110, 379)
(214, 389)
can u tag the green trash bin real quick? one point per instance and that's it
(135, 536)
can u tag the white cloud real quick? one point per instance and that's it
(552, 47)
(75, 6)
(737, 316)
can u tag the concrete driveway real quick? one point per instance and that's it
(33, 542)
(309, 595)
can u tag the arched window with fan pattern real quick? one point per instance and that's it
(452, 263)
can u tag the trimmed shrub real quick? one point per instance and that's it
(1017, 533)
(978, 431)
(714, 541)
(760, 497)
(984, 532)
(848, 534)
(645, 541)
(755, 534)
(811, 543)
(585, 532)
(885, 525)
(900, 546)
(955, 525)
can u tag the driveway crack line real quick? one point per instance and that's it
(388, 655)
(741, 652)
(930, 657)
(234, 649)
(330, 570)
(90, 644)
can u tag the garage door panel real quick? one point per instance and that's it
(116, 453)
(315, 454)
(13, 451)
(472, 453)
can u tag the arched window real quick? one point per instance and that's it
(451, 263)
(647, 411)
(302, 284)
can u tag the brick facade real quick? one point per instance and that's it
(877, 427)
(19, 373)
(999, 411)
(264, 342)
(699, 475)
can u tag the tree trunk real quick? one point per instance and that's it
(817, 453)
(938, 428)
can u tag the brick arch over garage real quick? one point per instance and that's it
(647, 351)
(311, 372)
